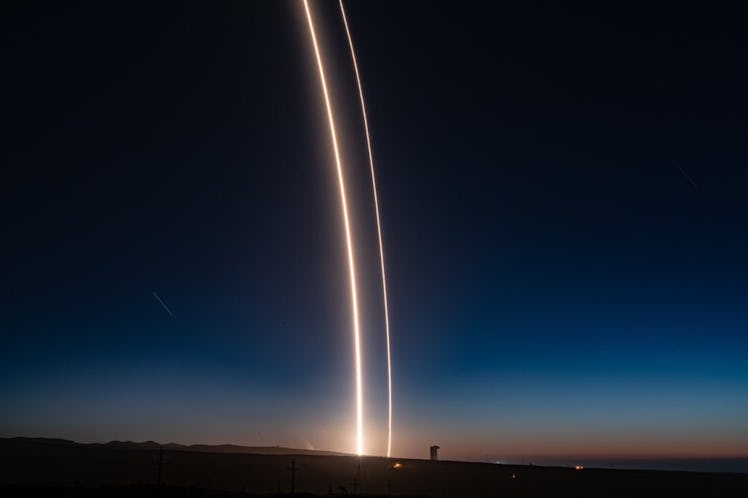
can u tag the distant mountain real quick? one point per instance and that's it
(41, 440)
(202, 448)
(145, 445)
(259, 450)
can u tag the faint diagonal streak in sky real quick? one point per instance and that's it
(685, 175)
(162, 304)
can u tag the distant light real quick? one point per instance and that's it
(397, 466)
(579, 467)
(514, 476)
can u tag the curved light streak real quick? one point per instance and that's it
(348, 239)
(379, 229)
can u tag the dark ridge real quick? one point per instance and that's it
(203, 448)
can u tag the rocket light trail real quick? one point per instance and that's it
(348, 238)
(379, 228)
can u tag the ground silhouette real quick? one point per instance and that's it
(47, 468)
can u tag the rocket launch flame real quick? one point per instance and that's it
(348, 238)
(379, 228)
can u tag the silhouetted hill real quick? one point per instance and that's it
(203, 448)
(257, 450)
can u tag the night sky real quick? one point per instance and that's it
(563, 194)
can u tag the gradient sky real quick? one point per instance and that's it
(563, 195)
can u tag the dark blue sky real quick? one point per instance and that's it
(563, 194)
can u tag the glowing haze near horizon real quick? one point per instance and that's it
(563, 193)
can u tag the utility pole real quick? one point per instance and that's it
(293, 468)
(160, 464)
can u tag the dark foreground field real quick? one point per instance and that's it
(48, 468)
